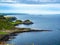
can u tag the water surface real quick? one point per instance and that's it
(51, 22)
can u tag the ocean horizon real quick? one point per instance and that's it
(44, 22)
(40, 22)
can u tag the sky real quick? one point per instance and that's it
(30, 6)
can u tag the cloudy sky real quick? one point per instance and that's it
(30, 6)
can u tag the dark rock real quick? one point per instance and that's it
(27, 22)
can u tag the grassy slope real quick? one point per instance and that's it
(3, 33)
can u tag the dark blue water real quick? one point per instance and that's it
(49, 22)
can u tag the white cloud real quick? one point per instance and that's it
(43, 0)
(32, 9)
(29, 1)
(47, 0)
(31, 12)
(31, 5)
(8, 1)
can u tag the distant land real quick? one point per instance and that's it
(25, 14)
(13, 14)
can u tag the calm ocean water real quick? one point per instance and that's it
(51, 22)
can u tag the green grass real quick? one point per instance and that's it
(3, 33)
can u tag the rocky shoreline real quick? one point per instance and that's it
(7, 36)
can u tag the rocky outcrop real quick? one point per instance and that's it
(27, 22)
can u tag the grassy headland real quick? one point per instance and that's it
(7, 27)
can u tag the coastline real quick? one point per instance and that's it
(6, 37)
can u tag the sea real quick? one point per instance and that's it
(40, 22)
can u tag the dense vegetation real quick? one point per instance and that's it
(11, 22)
(5, 23)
